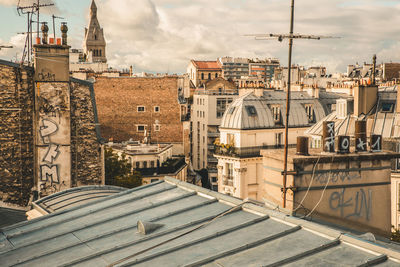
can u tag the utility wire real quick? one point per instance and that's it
(309, 186)
(323, 192)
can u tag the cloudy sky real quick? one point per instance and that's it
(163, 35)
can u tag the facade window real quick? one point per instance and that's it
(204, 127)
(137, 164)
(144, 164)
(310, 112)
(209, 76)
(141, 128)
(156, 109)
(278, 139)
(140, 109)
(152, 164)
(216, 75)
(222, 104)
(100, 52)
(276, 113)
(229, 170)
(157, 127)
(202, 76)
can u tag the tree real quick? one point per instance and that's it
(119, 171)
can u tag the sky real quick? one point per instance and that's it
(163, 35)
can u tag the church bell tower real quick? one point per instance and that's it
(94, 42)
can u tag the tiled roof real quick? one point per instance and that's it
(207, 65)
(194, 227)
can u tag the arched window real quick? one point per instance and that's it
(209, 76)
(100, 52)
(95, 37)
(202, 76)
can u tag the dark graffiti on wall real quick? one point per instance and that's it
(337, 177)
(52, 102)
(357, 204)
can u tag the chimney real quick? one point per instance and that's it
(376, 143)
(360, 136)
(302, 146)
(343, 144)
(365, 98)
(52, 61)
(373, 69)
(328, 136)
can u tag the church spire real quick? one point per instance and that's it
(93, 9)
(94, 42)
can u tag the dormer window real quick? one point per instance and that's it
(387, 107)
(310, 112)
(276, 113)
(251, 111)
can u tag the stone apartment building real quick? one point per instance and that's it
(141, 109)
(207, 110)
(253, 122)
(49, 137)
(201, 72)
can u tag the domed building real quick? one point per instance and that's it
(255, 122)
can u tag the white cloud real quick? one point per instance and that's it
(162, 35)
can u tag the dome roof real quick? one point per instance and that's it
(252, 112)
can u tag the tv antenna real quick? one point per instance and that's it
(5, 46)
(31, 10)
(54, 27)
(280, 38)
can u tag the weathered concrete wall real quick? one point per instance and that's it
(117, 101)
(53, 141)
(16, 134)
(349, 190)
(357, 193)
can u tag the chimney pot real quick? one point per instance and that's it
(360, 136)
(328, 136)
(302, 145)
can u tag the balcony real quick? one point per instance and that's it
(243, 152)
(170, 167)
(227, 180)
(212, 134)
(212, 159)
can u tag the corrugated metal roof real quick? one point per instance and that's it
(237, 117)
(199, 227)
(76, 196)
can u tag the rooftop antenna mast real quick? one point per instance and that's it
(280, 38)
(54, 26)
(30, 11)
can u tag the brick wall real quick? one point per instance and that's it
(117, 100)
(16, 131)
